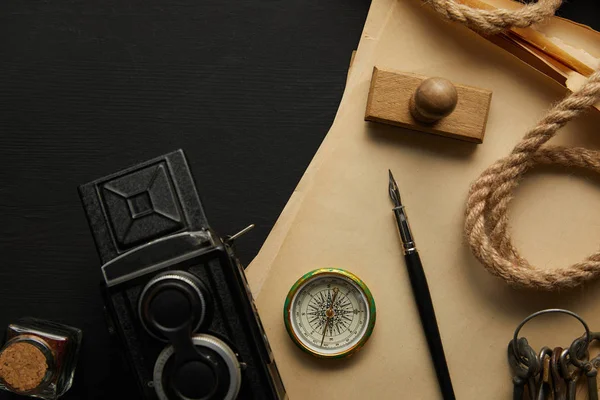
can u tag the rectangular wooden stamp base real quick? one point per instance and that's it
(389, 99)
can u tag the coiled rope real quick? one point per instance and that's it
(486, 224)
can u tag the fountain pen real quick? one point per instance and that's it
(421, 293)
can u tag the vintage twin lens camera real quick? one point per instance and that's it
(175, 293)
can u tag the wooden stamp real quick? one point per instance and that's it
(433, 105)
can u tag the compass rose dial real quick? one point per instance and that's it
(329, 313)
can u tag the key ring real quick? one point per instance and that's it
(549, 311)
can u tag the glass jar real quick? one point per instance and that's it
(39, 358)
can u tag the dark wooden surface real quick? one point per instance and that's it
(247, 88)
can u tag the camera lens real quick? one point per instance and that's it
(171, 301)
(213, 375)
(195, 380)
(170, 308)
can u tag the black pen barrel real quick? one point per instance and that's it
(422, 296)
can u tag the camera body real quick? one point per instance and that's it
(175, 293)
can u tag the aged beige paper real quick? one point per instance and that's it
(344, 219)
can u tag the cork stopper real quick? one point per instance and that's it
(434, 99)
(22, 366)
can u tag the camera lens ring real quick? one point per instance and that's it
(213, 343)
(190, 280)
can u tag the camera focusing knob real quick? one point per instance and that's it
(213, 374)
(173, 301)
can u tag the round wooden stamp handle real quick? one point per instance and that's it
(434, 99)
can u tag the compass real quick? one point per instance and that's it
(329, 313)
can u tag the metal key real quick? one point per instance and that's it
(545, 387)
(596, 360)
(524, 369)
(591, 375)
(588, 368)
(570, 373)
(558, 383)
(518, 388)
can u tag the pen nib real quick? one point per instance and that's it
(394, 192)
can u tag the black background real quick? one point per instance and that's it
(247, 88)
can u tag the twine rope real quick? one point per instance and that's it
(486, 224)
